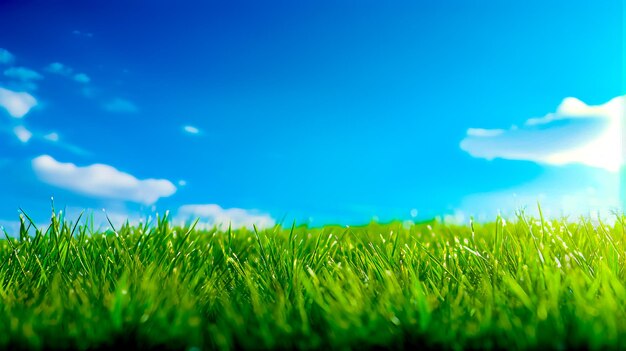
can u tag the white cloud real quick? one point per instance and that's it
(22, 73)
(6, 57)
(100, 180)
(214, 215)
(82, 34)
(191, 129)
(480, 132)
(82, 78)
(67, 71)
(26, 135)
(59, 68)
(571, 191)
(121, 106)
(54, 137)
(22, 133)
(16, 104)
(182, 182)
(575, 133)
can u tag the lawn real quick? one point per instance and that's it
(523, 283)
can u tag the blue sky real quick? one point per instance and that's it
(251, 112)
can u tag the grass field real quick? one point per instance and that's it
(524, 283)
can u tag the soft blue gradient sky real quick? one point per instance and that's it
(311, 110)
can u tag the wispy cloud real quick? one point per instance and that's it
(575, 133)
(211, 215)
(59, 68)
(191, 129)
(53, 137)
(26, 136)
(17, 104)
(82, 78)
(6, 57)
(101, 181)
(22, 134)
(83, 34)
(22, 73)
(67, 71)
(480, 132)
(119, 105)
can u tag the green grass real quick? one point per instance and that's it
(522, 284)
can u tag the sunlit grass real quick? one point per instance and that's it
(525, 283)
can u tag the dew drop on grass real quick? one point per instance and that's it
(395, 320)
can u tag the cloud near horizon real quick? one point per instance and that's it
(559, 192)
(576, 133)
(212, 215)
(101, 181)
